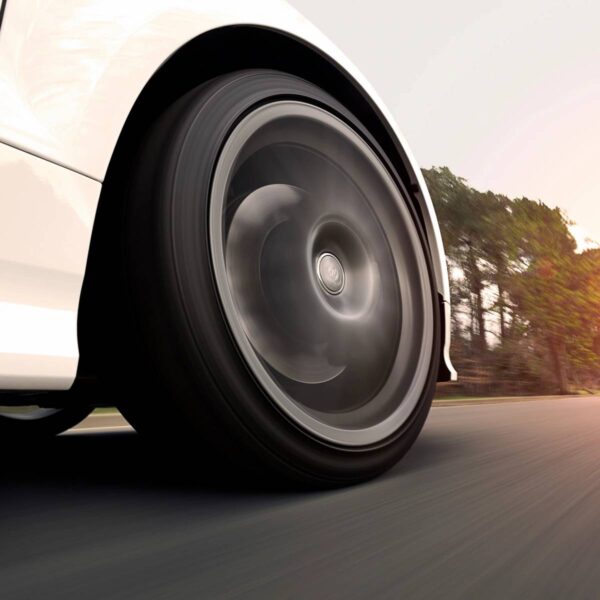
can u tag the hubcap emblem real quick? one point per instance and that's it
(330, 273)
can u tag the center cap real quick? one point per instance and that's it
(330, 273)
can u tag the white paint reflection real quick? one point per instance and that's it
(36, 330)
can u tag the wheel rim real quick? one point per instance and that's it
(321, 273)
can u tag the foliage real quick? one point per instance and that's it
(526, 302)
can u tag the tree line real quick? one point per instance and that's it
(526, 301)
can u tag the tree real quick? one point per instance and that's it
(517, 276)
(465, 233)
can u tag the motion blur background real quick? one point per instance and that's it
(500, 103)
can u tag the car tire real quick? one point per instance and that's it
(276, 311)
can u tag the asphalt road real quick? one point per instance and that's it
(494, 501)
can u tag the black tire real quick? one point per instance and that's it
(183, 372)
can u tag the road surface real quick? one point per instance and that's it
(494, 501)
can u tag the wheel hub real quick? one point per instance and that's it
(330, 273)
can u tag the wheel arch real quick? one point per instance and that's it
(220, 51)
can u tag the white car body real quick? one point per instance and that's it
(70, 74)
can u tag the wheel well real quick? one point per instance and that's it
(217, 52)
(228, 49)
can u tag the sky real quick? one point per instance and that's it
(506, 93)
